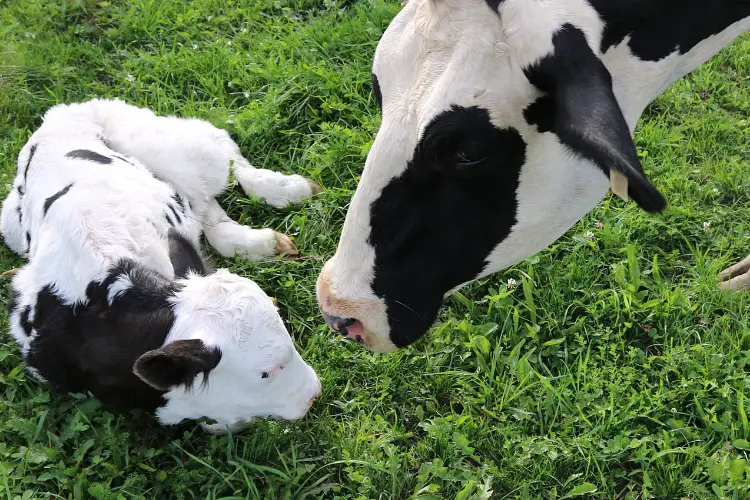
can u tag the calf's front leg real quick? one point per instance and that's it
(232, 239)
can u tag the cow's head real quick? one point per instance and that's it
(500, 130)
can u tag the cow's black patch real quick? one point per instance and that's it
(93, 347)
(88, 155)
(184, 256)
(580, 108)
(28, 239)
(433, 227)
(32, 151)
(49, 201)
(169, 219)
(659, 27)
(377, 92)
(21, 190)
(541, 113)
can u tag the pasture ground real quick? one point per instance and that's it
(613, 368)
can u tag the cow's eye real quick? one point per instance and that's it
(471, 153)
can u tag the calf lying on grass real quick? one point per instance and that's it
(108, 205)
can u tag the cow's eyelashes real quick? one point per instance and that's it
(470, 153)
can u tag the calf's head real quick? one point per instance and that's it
(499, 131)
(228, 357)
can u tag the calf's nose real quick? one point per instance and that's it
(318, 393)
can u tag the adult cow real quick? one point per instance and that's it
(504, 123)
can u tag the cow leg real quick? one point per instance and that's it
(232, 239)
(736, 277)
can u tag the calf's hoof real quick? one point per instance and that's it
(285, 247)
(315, 188)
(218, 429)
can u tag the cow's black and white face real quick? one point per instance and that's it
(500, 130)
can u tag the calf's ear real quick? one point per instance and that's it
(581, 109)
(177, 363)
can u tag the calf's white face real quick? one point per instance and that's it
(228, 357)
(498, 133)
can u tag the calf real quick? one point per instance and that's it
(504, 123)
(108, 205)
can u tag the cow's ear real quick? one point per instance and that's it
(581, 109)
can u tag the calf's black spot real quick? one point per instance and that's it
(434, 226)
(88, 155)
(49, 201)
(184, 256)
(178, 199)
(32, 151)
(121, 158)
(176, 215)
(494, 4)
(25, 322)
(15, 296)
(377, 92)
(93, 346)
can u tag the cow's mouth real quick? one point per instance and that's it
(350, 328)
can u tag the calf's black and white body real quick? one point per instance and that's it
(504, 123)
(108, 205)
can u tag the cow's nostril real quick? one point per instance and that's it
(338, 325)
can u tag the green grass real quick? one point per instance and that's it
(614, 369)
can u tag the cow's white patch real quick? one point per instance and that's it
(439, 54)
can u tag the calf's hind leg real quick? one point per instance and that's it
(736, 277)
